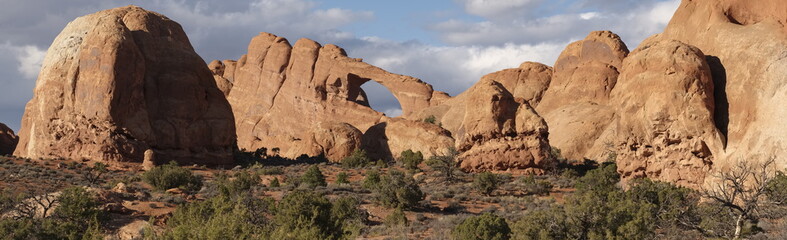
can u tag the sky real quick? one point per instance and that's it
(447, 43)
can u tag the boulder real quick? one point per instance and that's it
(8, 140)
(334, 140)
(118, 82)
(664, 127)
(387, 140)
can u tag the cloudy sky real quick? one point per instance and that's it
(448, 43)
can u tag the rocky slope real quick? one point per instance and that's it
(119, 82)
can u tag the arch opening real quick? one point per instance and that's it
(379, 98)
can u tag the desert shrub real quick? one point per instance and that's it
(220, 217)
(396, 218)
(242, 182)
(341, 178)
(358, 158)
(271, 171)
(446, 165)
(308, 215)
(542, 224)
(411, 159)
(487, 226)
(274, 183)
(313, 177)
(372, 180)
(534, 186)
(395, 189)
(172, 176)
(78, 216)
(776, 190)
(486, 182)
(431, 119)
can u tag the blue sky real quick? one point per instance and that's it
(447, 43)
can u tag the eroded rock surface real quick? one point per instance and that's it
(576, 104)
(495, 129)
(746, 46)
(121, 81)
(664, 128)
(282, 93)
(8, 140)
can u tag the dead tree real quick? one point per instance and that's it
(742, 189)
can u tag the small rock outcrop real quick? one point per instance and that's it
(496, 129)
(664, 128)
(8, 140)
(388, 139)
(118, 82)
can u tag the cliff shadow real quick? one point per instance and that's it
(722, 109)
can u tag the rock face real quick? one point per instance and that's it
(575, 105)
(335, 140)
(121, 81)
(501, 133)
(284, 96)
(746, 46)
(387, 140)
(8, 140)
(664, 128)
(223, 74)
(496, 129)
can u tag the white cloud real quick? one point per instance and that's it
(393, 112)
(451, 68)
(589, 15)
(30, 59)
(497, 9)
(640, 20)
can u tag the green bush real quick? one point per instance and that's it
(396, 218)
(313, 177)
(486, 226)
(538, 187)
(341, 178)
(445, 165)
(274, 183)
(542, 224)
(172, 176)
(220, 217)
(397, 190)
(776, 189)
(78, 216)
(242, 182)
(431, 119)
(359, 158)
(372, 180)
(308, 215)
(486, 182)
(411, 159)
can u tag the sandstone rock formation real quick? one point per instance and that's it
(746, 46)
(334, 140)
(283, 97)
(223, 74)
(121, 81)
(501, 132)
(664, 127)
(387, 140)
(8, 140)
(575, 105)
(496, 129)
